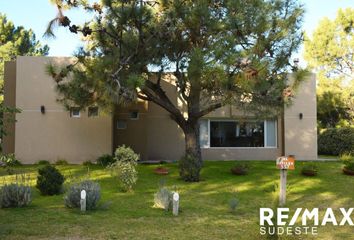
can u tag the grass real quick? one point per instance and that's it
(205, 205)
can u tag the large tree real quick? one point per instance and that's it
(330, 51)
(218, 52)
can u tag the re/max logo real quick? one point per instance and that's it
(282, 217)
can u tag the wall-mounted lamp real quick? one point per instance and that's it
(301, 116)
(43, 109)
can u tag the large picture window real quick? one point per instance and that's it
(232, 133)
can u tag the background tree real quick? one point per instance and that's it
(330, 51)
(14, 41)
(218, 52)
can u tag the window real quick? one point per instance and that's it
(271, 134)
(232, 133)
(121, 124)
(75, 112)
(134, 115)
(93, 111)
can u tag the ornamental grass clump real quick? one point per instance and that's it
(93, 194)
(124, 168)
(348, 161)
(309, 169)
(17, 194)
(163, 198)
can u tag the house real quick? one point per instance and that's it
(46, 131)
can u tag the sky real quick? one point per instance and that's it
(36, 14)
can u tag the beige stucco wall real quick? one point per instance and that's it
(155, 136)
(53, 135)
(301, 134)
(8, 141)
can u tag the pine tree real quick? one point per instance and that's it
(219, 52)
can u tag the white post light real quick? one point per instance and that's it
(83, 201)
(175, 203)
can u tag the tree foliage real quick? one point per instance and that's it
(217, 52)
(330, 52)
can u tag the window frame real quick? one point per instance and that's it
(120, 128)
(249, 120)
(72, 115)
(133, 112)
(88, 112)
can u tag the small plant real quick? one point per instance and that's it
(9, 160)
(16, 194)
(125, 167)
(309, 169)
(93, 194)
(49, 180)
(348, 161)
(61, 162)
(88, 163)
(163, 197)
(43, 162)
(346, 158)
(233, 204)
(105, 160)
(240, 169)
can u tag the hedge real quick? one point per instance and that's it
(336, 141)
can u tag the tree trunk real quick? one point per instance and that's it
(191, 164)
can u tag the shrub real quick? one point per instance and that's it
(125, 167)
(346, 158)
(43, 162)
(93, 194)
(348, 161)
(61, 162)
(309, 169)
(15, 194)
(88, 163)
(126, 174)
(240, 169)
(126, 154)
(9, 160)
(336, 141)
(105, 160)
(49, 180)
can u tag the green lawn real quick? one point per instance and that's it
(205, 209)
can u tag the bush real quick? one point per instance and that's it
(105, 160)
(49, 180)
(9, 160)
(43, 162)
(15, 194)
(88, 163)
(126, 154)
(93, 194)
(336, 141)
(348, 161)
(61, 162)
(125, 167)
(240, 169)
(309, 169)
